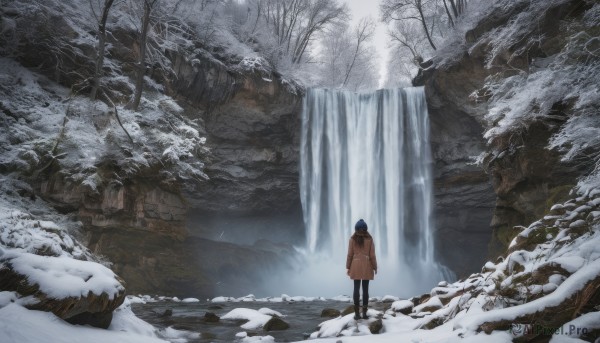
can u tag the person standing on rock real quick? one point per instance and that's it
(361, 264)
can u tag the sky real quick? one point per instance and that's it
(370, 8)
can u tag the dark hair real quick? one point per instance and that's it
(359, 237)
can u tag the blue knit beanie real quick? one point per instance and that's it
(360, 225)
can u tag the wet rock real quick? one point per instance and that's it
(182, 327)
(210, 317)
(330, 313)
(95, 319)
(417, 300)
(375, 326)
(276, 324)
(432, 324)
(167, 313)
(208, 336)
(348, 310)
(215, 307)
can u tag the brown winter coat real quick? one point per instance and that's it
(361, 261)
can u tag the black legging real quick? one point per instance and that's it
(365, 288)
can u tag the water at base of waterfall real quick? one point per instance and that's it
(367, 155)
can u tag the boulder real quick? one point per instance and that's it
(80, 292)
(375, 326)
(348, 310)
(167, 313)
(208, 336)
(331, 313)
(402, 306)
(276, 324)
(210, 317)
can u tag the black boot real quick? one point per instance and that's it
(364, 316)
(356, 314)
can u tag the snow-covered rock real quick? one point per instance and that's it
(254, 319)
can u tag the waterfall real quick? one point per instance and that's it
(367, 155)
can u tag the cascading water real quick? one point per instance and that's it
(368, 156)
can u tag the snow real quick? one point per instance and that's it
(577, 223)
(177, 336)
(342, 298)
(254, 318)
(586, 323)
(63, 277)
(433, 301)
(266, 339)
(399, 305)
(566, 290)
(270, 312)
(282, 298)
(18, 324)
(222, 299)
(124, 320)
(190, 300)
(389, 298)
(333, 327)
(91, 133)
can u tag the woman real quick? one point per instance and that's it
(361, 264)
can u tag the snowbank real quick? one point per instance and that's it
(63, 277)
(18, 324)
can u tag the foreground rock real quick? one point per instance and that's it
(275, 324)
(47, 268)
(330, 312)
(80, 292)
(376, 326)
(210, 317)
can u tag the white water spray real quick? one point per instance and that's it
(368, 156)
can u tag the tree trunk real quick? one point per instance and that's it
(448, 13)
(101, 45)
(141, 67)
(454, 10)
(420, 8)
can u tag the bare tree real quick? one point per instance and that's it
(408, 10)
(295, 22)
(149, 6)
(101, 46)
(405, 38)
(335, 43)
(362, 33)
(450, 20)
(346, 57)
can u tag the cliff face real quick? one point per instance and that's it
(252, 132)
(476, 87)
(464, 197)
(165, 207)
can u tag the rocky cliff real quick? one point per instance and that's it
(498, 80)
(215, 142)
